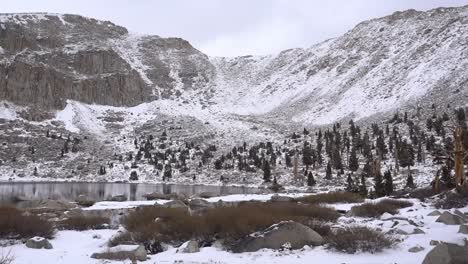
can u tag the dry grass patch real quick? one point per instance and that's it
(230, 223)
(390, 206)
(14, 224)
(83, 223)
(332, 197)
(359, 239)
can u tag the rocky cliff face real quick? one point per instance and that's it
(46, 59)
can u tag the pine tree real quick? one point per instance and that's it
(307, 156)
(336, 157)
(266, 172)
(329, 171)
(388, 182)
(350, 183)
(353, 160)
(405, 155)
(310, 179)
(102, 170)
(133, 176)
(410, 181)
(288, 160)
(167, 172)
(378, 185)
(362, 186)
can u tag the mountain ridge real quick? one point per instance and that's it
(382, 63)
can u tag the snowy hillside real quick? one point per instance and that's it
(377, 67)
(100, 88)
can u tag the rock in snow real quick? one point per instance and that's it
(122, 252)
(450, 219)
(463, 229)
(38, 243)
(447, 253)
(416, 249)
(189, 247)
(276, 236)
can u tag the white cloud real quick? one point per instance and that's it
(235, 27)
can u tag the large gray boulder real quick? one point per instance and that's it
(207, 195)
(283, 199)
(416, 249)
(463, 229)
(447, 253)
(122, 252)
(84, 200)
(38, 243)
(189, 247)
(434, 213)
(295, 234)
(200, 204)
(450, 219)
(175, 204)
(118, 198)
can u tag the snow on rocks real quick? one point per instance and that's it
(416, 249)
(274, 237)
(122, 252)
(38, 243)
(447, 253)
(450, 219)
(463, 229)
(189, 247)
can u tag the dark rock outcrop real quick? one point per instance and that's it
(46, 59)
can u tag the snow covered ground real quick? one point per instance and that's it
(72, 247)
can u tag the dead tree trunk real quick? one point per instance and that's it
(458, 156)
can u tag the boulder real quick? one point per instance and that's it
(46, 203)
(38, 243)
(200, 204)
(175, 204)
(450, 219)
(118, 198)
(417, 231)
(221, 203)
(122, 252)
(189, 247)
(416, 249)
(156, 196)
(447, 253)
(284, 199)
(463, 229)
(83, 200)
(459, 213)
(434, 213)
(434, 242)
(163, 196)
(207, 195)
(277, 235)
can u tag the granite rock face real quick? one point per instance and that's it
(46, 59)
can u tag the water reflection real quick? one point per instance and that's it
(10, 191)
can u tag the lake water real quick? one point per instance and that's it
(69, 191)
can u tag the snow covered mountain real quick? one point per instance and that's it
(74, 75)
(377, 67)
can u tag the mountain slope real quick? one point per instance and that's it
(379, 66)
(91, 87)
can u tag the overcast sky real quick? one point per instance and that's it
(234, 27)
